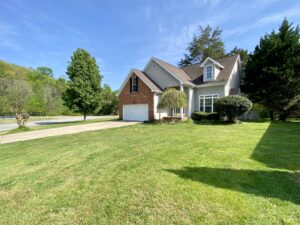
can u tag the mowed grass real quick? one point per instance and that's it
(155, 174)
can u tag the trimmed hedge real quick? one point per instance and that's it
(198, 116)
(231, 107)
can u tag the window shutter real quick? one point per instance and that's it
(130, 88)
(137, 84)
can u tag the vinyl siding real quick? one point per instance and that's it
(160, 76)
(234, 80)
(206, 91)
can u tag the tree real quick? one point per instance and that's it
(231, 107)
(110, 101)
(16, 94)
(46, 71)
(83, 93)
(206, 42)
(272, 74)
(51, 100)
(172, 98)
(243, 54)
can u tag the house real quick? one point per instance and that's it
(202, 83)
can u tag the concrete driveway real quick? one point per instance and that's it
(6, 126)
(62, 130)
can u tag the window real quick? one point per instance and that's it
(176, 111)
(134, 84)
(209, 72)
(206, 102)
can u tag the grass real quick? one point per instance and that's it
(155, 174)
(57, 124)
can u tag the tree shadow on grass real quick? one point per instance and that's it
(280, 146)
(270, 184)
(57, 122)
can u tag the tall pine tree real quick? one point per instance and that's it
(206, 42)
(83, 93)
(272, 74)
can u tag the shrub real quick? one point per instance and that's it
(231, 107)
(198, 116)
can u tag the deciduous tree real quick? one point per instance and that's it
(172, 98)
(83, 93)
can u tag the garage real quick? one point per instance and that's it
(135, 112)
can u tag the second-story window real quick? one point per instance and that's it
(209, 72)
(134, 86)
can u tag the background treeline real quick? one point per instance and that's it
(43, 92)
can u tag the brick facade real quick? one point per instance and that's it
(143, 96)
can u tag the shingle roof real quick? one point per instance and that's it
(181, 74)
(195, 72)
(150, 83)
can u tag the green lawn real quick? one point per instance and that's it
(155, 174)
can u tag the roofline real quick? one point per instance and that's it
(127, 78)
(238, 60)
(214, 62)
(154, 59)
(211, 84)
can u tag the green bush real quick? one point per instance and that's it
(231, 107)
(263, 112)
(198, 116)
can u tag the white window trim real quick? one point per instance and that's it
(133, 84)
(212, 72)
(203, 97)
(175, 113)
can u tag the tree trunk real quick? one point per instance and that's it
(283, 115)
(84, 116)
(271, 113)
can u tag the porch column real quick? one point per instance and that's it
(190, 102)
(181, 109)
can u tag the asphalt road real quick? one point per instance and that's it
(5, 126)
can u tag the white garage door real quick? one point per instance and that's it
(136, 112)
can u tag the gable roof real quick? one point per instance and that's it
(147, 80)
(178, 72)
(190, 75)
(144, 77)
(193, 74)
(213, 61)
(195, 71)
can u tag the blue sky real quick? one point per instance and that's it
(124, 34)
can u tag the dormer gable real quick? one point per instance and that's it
(211, 69)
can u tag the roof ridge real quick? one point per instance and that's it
(213, 59)
(167, 63)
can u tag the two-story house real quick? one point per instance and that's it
(202, 83)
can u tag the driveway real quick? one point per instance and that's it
(6, 126)
(62, 130)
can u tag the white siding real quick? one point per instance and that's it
(160, 76)
(216, 72)
(206, 91)
(234, 80)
